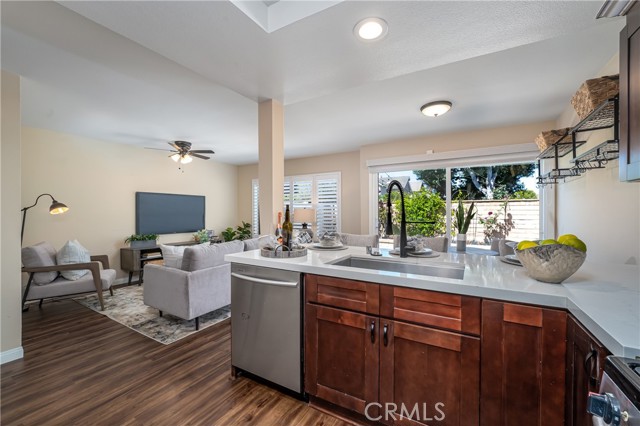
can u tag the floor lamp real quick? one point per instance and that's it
(56, 208)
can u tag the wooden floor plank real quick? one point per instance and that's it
(82, 368)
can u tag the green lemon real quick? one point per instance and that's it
(522, 245)
(547, 242)
(576, 243)
(564, 237)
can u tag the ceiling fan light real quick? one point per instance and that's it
(435, 109)
(175, 157)
(185, 159)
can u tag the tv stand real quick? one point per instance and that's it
(133, 259)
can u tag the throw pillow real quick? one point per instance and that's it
(73, 252)
(41, 254)
(172, 255)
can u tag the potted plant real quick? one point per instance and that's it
(142, 240)
(242, 232)
(201, 236)
(462, 222)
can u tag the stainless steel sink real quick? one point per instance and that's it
(441, 270)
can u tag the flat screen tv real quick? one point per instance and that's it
(158, 213)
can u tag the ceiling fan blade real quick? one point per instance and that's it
(176, 147)
(159, 149)
(198, 156)
(202, 151)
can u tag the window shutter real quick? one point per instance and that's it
(302, 196)
(328, 203)
(255, 209)
(321, 192)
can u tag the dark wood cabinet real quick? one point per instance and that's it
(341, 357)
(630, 97)
(432, 374)
(523, 365)
(355, 357)
(585, 364)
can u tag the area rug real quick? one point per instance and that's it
(126, 307)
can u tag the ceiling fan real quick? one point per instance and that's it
(183, 153)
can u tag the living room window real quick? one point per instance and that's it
(318, 191)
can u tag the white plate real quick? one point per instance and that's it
(423, 253)
(327, 248)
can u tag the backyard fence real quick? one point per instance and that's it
(521, 221)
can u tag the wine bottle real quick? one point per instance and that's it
(279, 228)
(287, 230)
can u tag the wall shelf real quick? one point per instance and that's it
(603, 117)
(598, 156)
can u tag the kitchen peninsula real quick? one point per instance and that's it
(375, 336)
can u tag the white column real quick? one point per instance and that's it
(271, 163)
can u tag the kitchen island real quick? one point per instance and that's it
(375, 337)
(604, 297)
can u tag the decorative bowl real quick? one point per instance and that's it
(551, 263)
(330, 239)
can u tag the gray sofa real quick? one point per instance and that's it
(200, 286)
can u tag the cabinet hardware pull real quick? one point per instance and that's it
(373, 331)
(588, 367)
(385, 337)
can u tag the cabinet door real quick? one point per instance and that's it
(431, 376)
(523, 365)
(630, 97)
(342, 357)
(585, 362)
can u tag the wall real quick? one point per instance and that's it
(10, 289)
(483, 138)
(98, 181)
(345, 163)
(596, 206)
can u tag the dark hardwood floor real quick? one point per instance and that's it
(82, 368)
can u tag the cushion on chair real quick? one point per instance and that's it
(73, 252)
(172, 255)
(63, 287)
(251, 244)
(41, 254)
(208, 256)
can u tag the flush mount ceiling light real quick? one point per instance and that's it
(370, 29)
(435, 109)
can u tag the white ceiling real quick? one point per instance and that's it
(147, 72)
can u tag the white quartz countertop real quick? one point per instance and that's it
(605, 298)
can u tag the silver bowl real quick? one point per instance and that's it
(551, 263)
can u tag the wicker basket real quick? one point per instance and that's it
(547, 138)
(593, 92)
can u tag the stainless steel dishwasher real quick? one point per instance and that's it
(266, 324)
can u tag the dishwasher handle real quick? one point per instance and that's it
(265, 281)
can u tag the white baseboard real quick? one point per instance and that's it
(121, 281)
(11, 355)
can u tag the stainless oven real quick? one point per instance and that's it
(618, 403)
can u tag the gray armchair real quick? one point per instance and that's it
(200, 286)
(97, 280)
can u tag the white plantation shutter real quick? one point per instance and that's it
(255, 210)
(321, 191)
(327, 188)
(302, 195)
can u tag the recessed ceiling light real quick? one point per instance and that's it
(434, 109)
(370, 29)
